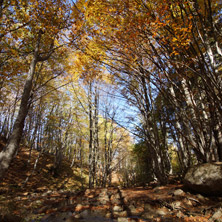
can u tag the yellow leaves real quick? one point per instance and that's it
(14, 52)
(174, 39)
(56, 42)
(85, 4)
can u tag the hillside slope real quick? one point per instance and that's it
(15, 196)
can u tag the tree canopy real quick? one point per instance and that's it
(70, 71)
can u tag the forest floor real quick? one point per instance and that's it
(64, 197)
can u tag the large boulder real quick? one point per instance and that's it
(205, 178)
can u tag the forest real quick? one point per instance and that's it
(107, 97)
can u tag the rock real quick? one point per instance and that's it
(162, 211)
(108, 215)
(44, 194)
(178, 192)
(104, 191)
(149, 207)
(176, 204)
(135, 211)
(103, 197)
(77, 216)
(148, 215)
(115, 199)
(217, 216)
(85, 213)
(103, 200)
(115, 196)
(34, 194)
(118, 202)
(120, 214)
(205, 178)
(122, 219)
(188, 203)
(87, 192)
(117, 208)
(200, 197)
(99, 211)
(38, 202)
(79, 207)
(151, 212)
(180, 214)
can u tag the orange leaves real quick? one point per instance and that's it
(196, 219)
(130, 28)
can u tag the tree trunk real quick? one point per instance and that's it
(1, 7)
(91, 176)
(12, 147)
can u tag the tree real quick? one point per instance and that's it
(170, 49)
(45, 28)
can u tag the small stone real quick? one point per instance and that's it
(180, 214)
(135, 211)
(116, 201)
(108, 215)
(104, 191)
(122, 219)
(115, 196)
(188, 202)
(217, 215)
(117, 208)
(103, 200)
(77, 216)
(178, 192)
(34, 194)
(148, 207)
(18, 198)
(162, 211)
(148, 215)
(79, 207)
(176, 204)
(44, 194)
(38, 202)
(85, 213)
(120, 214)
(200, 197)
(87, 192)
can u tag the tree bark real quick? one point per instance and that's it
(12, 147)
(91, 176)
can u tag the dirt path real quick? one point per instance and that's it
(167, 203)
